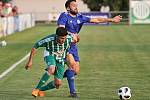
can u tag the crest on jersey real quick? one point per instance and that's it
(58, 53)
(71, 21)
(78, 21)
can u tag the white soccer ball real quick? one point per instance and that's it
(124, 93)
(3, 43)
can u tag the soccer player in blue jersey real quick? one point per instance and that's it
(73, 22)
(56, 46)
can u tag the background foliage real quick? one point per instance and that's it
(115, 5)
(5, 1)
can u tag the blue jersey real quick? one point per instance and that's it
(72, 24)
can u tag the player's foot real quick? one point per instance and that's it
(35, 92)
(73, 95)
(41, 94)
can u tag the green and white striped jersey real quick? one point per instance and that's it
(54, 49)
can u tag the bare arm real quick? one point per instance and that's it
(116, 19)
(29, 63)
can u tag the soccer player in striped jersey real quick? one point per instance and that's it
(56, 46)
(73, 22)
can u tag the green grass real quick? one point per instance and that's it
(111, 57)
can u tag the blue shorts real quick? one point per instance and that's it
(74, 51)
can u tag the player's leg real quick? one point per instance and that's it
(43, 79)
(58, 76)
(73, 69)
(58, 82)
(50, 61)
(72, 59)
(70, 74)
(73, 63)
(51, 85)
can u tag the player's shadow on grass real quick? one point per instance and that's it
(16, 94)
(27, 95)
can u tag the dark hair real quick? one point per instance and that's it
(61, 31)
(68, 3)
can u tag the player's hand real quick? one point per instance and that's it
(76, 38)
(28, 65)
(117, 19)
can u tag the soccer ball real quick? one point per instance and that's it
(124, 93)
(3, 43)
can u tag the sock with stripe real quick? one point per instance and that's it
(42, 81)
(71, 82)
(50, 85)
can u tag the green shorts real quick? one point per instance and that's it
(51, 61)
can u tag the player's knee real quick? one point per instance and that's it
(73, 65)
(58, 83)
(76, 68)
(51, 70)
(77, 71)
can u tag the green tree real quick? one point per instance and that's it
(92, 4)
(115, 5)
(5, 1)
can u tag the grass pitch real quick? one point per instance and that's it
(111, 57)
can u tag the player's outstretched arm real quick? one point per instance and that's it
(116, 19)
(29, 63)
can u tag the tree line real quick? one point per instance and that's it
(115, 5)
(5, 1)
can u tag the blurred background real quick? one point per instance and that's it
(112, 55)
(133, 11)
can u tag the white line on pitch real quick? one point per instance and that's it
(13, 66)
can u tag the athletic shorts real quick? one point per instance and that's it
(74, 51)
(51, 61)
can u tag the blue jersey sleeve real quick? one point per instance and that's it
(62, 20)
(85, 19)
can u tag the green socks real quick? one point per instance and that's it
(42, 81)
(50, 85)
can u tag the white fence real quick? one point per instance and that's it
(10, 25)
